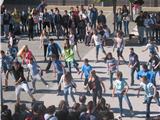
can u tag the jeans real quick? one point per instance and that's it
(45, 50)
(59, 75)
(96, 93)
(120, 98)
(97, 49)
(75, 64)
(111, 79)
(132, 74)
(68, 91)
(119, 25)
(157, 35)
(148, 33)
(126, 29)
(141, 34)
(149, 99)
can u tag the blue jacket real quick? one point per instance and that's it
(149, 74)
(53, 50)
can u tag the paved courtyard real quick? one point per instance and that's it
(48, 95)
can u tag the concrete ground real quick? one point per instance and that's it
(48, 95)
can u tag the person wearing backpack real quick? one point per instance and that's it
(53, 48)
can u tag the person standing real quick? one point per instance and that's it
(121, 88)
(6, 22)
(93, 16)
(81, 29)
(58, 23)
(95, 84)
(112, 67)
(126, 19)
(20, 81)
(101, 19)
(44, 39)
(134, 64)
(119, 19)
(30, 27)
(86, 69)
(46, 20)
(140, 26)
(151, 93)
(119, 43)
(68, 85)
(65, 20)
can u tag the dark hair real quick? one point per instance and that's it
(76, 106)
(107, 56)
(131, 48)
(86, 60)
(51, 39)
(82, 98)
(2, 52)
(90, 105)
(51, 109)
(144, 66)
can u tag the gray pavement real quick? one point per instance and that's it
(48, 95)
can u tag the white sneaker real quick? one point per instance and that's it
(47, 86)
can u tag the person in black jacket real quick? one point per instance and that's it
(81, 29)
(58, 22)
(101, 18)
(30, 27)
(65, 19)
(140, 26)
(46, 20)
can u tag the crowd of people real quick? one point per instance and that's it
(78, 25)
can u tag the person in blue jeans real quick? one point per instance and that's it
(121, 88)
(134, 64)
(58, 67)
(126, 19)
(86, 69)
(112, 67)
(68, 85)
(151, 93)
